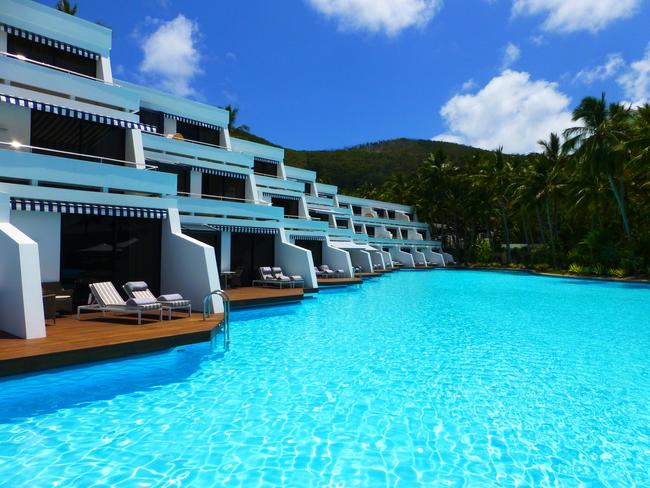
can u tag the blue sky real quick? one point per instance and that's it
(319, 74)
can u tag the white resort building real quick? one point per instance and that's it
(102, 180)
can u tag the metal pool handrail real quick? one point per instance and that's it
(226, 313)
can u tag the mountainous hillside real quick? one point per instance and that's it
(373, 163)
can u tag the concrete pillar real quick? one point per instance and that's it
(226, 244)
(104, 71)
(135, 148)
(196, 183)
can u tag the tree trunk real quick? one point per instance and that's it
(506, 231)
(550, 231)
(620, 200)
(539, 225)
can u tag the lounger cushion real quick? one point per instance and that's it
(137, 285)
(176, 303)
(139, 302)
(170, 297)
(296, 278)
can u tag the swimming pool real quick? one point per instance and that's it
(417, 378)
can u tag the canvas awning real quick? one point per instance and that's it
(32, 205)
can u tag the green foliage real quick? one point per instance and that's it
(66, 7)
(576, 268)
(617, 272)
(482, 251)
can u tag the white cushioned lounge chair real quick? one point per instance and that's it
(268, 279)
(105, 298)
(171, 302)
(296, 280)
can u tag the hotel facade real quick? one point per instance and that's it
(105, 180)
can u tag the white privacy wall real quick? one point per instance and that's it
(418, 257)
(188, 266)
(337, 258)
(45, 229)
(295, 260)
(402, 257)
(360, 258)
(21, 299)
(433, 257)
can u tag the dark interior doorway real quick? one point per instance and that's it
(102, 248)
(211, 238)
(290, 206)
(316, 248)
(250, 252)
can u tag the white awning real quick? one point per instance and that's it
(351, 245)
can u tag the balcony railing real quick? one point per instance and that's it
(221, 197)
(21, 57)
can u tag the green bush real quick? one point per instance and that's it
(576, 269)
(482, 251)
(617, 272)
(542, 267)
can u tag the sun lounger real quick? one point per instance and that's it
(267, 279)
(296, 280)
(105, 298)
(330, 272)
(140, 289)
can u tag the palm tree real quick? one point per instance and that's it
(598, 144)
(548, 167)
(64, 6)
(234, 112)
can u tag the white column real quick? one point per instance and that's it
(104, 71)
(196, 183)
(134, 148)
(226, 243)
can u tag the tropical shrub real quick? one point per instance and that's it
(577, 269)
(482, 251)
(617, 272)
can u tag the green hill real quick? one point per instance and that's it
(373, 162)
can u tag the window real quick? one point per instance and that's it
(356, 210)
(391, 214)
(197, 133)
(316, 248)
(223, 186)
(342, 223)
(358, 229)
(265, 168)
(153, 118)
(319, 216)
(250, 252)
(117, 249)
(370, 230)
(51, 55)
(79, 136)
(182, 175)
(290, 206)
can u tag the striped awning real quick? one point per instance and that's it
(78, 114)
(297, 237)
(281, 196)
(31, 205)
(264, 160)
(9, 29)
(192, 121)
(243, 229)
(220, 172)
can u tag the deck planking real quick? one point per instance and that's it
(93, 338)
(259, 295)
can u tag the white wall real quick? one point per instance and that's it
(361, 258)
(187, 266)
(337, 259)
(418, 257)
(44, 228)
(104, 71)
(196, 182)
(402, 257)
(377, 258)
(449, 259)
(134, 148)
(21, 298)
(169, 125)
(15, 123)
(294, 260)
(226, 251)
(3, 41)
(433, 257)
(388, 262)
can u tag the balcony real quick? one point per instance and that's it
(44, 168)
(259, 150)
(326, 189)
(279, 183)
(300, 174)
(305, 225)
(192, 153)
(41, 83)
(223, 208)
(392, 222)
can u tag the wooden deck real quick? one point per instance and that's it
(93, 338)
(325, 282)
(369, 275)
(259, 295)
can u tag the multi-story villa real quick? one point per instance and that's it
(104, 180)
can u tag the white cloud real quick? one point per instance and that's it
(232, 56)
(171, 57)
(636, 80)
(468, 85)
(512, 111)
(511, 55)
(389, 16)
(611, 67)
(576, 15)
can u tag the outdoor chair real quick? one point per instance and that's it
(331, 272)
(267, 279)
(105, 298)
(295, 279)
(170, 302)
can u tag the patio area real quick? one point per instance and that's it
(71, 341)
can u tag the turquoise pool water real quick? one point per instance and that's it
(446, 377)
